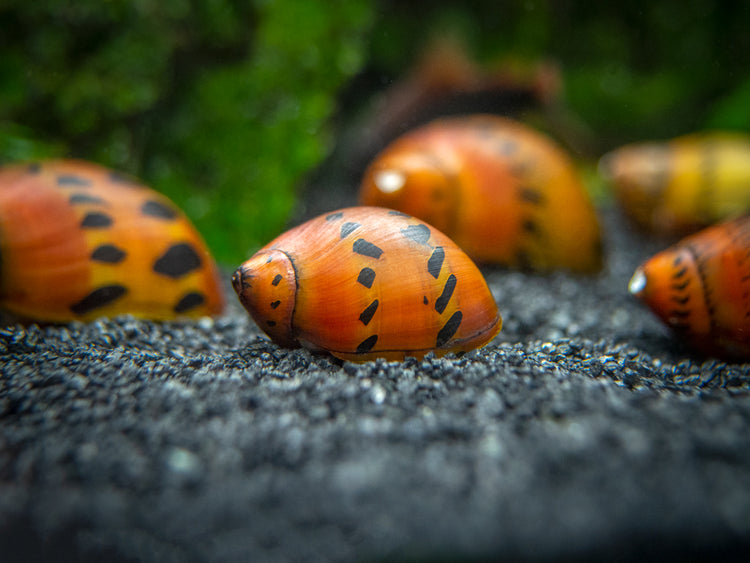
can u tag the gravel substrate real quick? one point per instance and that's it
(582, 431)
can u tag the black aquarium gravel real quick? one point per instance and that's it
(584, 431)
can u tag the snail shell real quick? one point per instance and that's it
(700, 288)
(503, 192)
(79, 241)
(364, 283)
(679, 186)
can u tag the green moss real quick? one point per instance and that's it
(19, 143)
(221, 104)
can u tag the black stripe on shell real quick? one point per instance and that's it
(86, 199)
(369, 312)
(442, 302)
(679, 273)
(65, 180)
(449, 329)
(348, 228)
(529, 226)
(361, 246)
(179, 260)
(680, 286)
(158, 210)
(531, 195)
(335, 216)
(419, 233)
(108, 254)
(367, 344)
(189, 301)
(98, 298)
(709, 296)
(680, 313)
(96, 220)
(276, 280)
(435, 262)
(366, 277)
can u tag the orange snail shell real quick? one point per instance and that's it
(79, 241)
(364, 283)
(701, 289)
(503, 192)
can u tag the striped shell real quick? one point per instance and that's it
(502, 191)
(365, 283)
(701, 289)
(682, 185)
(79, 241)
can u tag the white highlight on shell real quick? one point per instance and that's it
(637, 282)
(389, 181)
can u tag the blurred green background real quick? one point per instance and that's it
(227, 105)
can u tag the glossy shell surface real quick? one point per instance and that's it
(502, 191)
(701, 289)
(364, 283)
(79, 241)
(677, 187)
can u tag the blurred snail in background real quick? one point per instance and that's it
(364, 283)
(79, 241)
(701, 289)
(445, 79)
(679, 186)
(503, 192)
